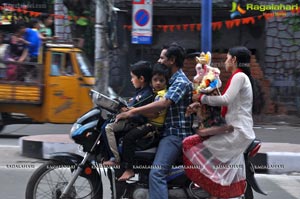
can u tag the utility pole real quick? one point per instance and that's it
(101, 50)
(206, 18)
(62, 30)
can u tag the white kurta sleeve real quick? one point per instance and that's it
(234, 88)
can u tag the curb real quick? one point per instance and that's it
(277, 158)
(273, 158)
(42, 146)
(277, 162)
(266, 119)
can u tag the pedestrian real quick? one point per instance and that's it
(141, 73)
(17, 50)
(33, 37)
(56, 64)
(46, 21)
(3, 55)
(177, 126)
(218, 161)
(154, 126)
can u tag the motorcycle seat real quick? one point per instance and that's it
(147, 154)
(253, 148)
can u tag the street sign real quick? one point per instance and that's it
(142, 17)
(141, 22)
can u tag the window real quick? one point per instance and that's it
(84, 65)
(68, 67)
(61, 64)
(56, 63)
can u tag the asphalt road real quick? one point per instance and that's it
(11, 133)
(16, 170)
(13, 180)
(279, 133)
(36, 129)
(13, 183)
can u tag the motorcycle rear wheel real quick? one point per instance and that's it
(50, 179)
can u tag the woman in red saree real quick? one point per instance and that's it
(216, 163)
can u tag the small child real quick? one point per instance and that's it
(141, 73)
(159, 84)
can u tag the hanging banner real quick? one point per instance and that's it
(141, 22)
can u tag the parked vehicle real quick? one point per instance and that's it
(54, 90)
(68, 175)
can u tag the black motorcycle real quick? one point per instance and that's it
(72, 176)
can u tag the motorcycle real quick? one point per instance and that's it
(72, 176)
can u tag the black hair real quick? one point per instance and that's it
(160, 69)
(243, 56)
(142, 68)
(177, 52)
(44, 16)
(165, 47)
(33, 22)
(19, 26)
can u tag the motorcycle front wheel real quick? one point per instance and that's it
(50, 179)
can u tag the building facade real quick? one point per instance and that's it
(271, 35)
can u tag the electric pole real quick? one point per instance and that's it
(206, 18)
(101, 50)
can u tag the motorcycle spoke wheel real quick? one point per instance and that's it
(53, 177)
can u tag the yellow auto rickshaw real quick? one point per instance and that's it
(54, 90)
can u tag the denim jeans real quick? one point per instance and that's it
(168, 151)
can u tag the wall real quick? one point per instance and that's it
(62, 30)
(282, 68)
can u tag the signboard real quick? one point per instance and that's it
(141, 22)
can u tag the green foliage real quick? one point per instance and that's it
(83, 12)
(82, 21)
(296, 23)
(293, 22)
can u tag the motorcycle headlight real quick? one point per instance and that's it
(74, 128)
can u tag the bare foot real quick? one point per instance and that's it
(126, 175)
(109, 163)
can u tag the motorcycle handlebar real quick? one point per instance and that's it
(106, 102)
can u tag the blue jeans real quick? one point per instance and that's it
(168, 151)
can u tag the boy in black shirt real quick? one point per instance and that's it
(141, 73)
